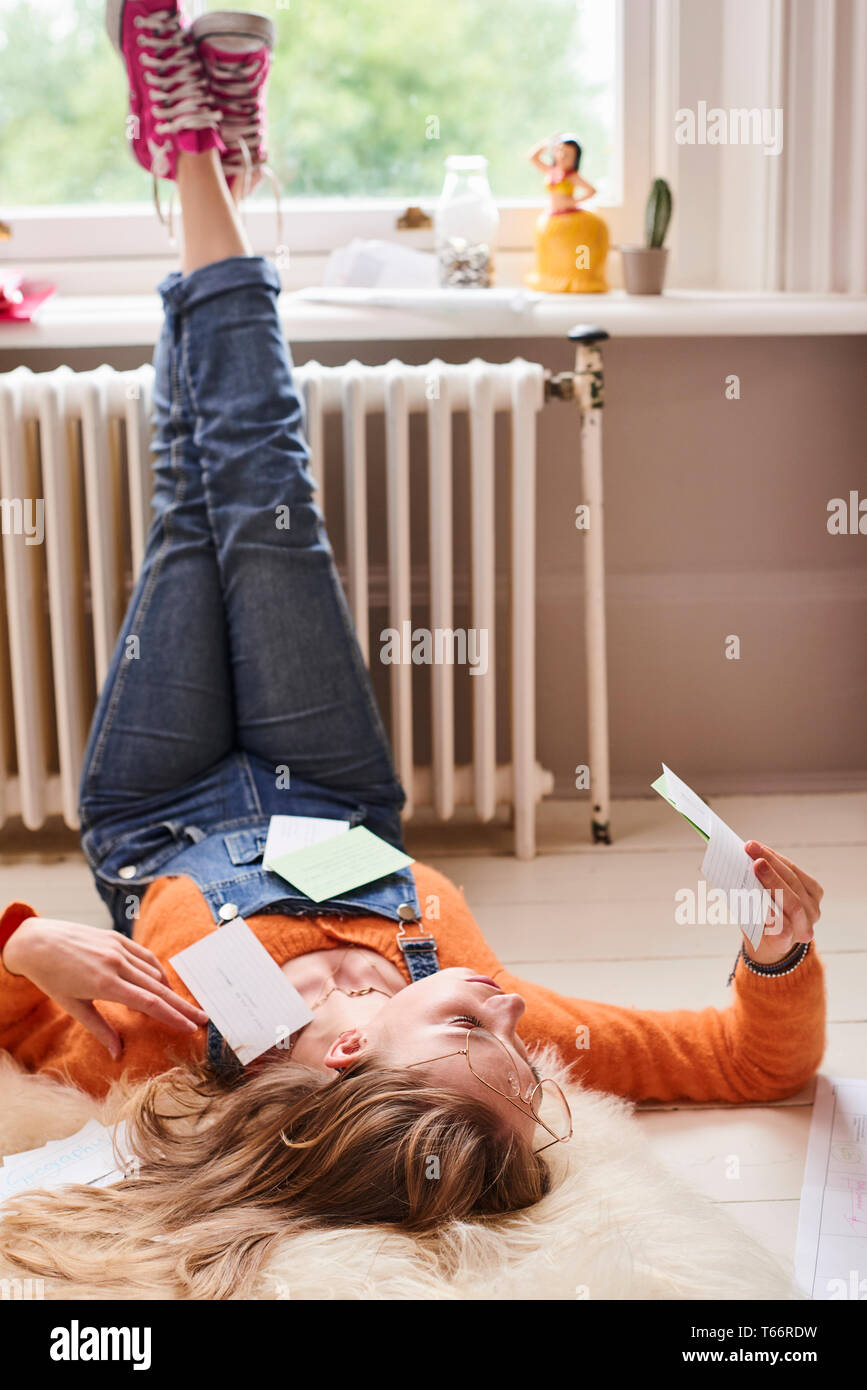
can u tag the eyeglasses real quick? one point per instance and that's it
(491, 1062)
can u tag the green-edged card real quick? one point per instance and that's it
(335, 866)
(661, 786)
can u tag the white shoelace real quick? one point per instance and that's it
(241, 123)
(183, 92)
(241, 126)
(173, 67)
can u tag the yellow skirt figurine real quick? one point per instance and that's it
(571, 250)
(571, 243)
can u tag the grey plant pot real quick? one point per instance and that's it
(644, 268)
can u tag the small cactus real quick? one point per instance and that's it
(658, 214)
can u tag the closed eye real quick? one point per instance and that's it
(468, 1021)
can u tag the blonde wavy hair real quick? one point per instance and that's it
(227, 1170)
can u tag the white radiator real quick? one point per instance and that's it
(78, 442)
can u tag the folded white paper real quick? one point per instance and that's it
(243, 990)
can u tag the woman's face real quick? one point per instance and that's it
(429, 1019)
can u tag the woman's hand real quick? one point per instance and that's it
(799, 895)
(74, 965)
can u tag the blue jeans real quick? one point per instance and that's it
(237, 689)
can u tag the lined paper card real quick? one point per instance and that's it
(242, 989)
(90, 1156)
(726, 864)
(326, 870)
(831, 1255)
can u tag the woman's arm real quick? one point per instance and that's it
(50, 974)
(765, 1046)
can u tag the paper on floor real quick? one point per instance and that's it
(91, 1156)
(242, 989)
(726, 864)
(831, 1253)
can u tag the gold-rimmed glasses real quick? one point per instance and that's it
(491, 1062)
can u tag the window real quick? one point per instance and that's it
(365, 103)
(365, 100)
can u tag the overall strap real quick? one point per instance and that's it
(419, 952)
(220, 1055)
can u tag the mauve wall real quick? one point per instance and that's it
(716, 525)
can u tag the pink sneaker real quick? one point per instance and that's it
(235, 47)
(170, 108)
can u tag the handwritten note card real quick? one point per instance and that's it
(243, 990)
(831, 1253)
(343, 862)
(726, 864)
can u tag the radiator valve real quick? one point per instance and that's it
(560, 387)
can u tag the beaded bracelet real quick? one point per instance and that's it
(780, 967)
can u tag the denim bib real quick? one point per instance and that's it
(215, 833)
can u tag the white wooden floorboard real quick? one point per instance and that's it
(774, 1223)
(621, 931)
(648, 823)
(734, 1155)
(846, 1053)
(55, 886)
(632, 876)
(684, 983)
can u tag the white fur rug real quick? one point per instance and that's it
(616, 1226)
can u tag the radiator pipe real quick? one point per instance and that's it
(586, 387)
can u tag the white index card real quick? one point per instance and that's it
(727, 865)
(687, 802)
(287, 833)
(243, 990)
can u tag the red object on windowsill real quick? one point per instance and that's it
(20, 298)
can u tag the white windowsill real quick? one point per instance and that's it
(402, 315)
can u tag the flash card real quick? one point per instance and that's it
(726, 864)
(243, 990)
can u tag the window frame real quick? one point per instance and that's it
(77, 246)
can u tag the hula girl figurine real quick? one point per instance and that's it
(571, 243)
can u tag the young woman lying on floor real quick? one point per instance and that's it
(236, 661)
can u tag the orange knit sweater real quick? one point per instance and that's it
(764, 1046)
